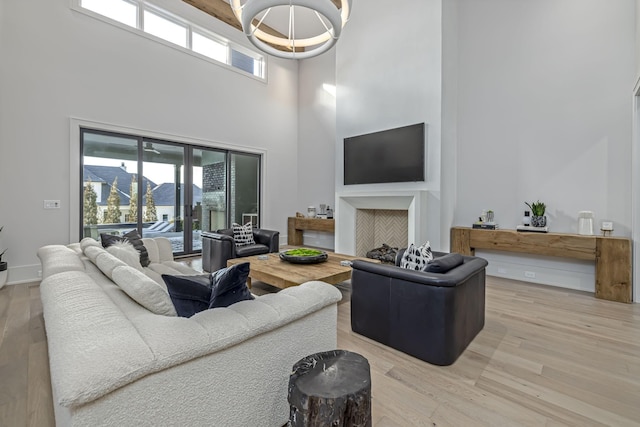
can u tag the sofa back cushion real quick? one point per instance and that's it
(445, 263)
(144, 290)
(107, 263)
(159, 249)
(126, 253)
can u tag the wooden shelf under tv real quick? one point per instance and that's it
(296, 227)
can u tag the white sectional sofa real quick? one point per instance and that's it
(115, 363)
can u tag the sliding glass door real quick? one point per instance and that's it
(163, 188)
(163, 200)
(245, 188)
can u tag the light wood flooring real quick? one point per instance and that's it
(546, 356)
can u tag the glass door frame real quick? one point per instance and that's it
(78, 130)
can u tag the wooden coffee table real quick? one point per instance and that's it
(283, 274)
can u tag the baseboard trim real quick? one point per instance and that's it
(24, 274)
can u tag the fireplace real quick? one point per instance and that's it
(401, 217)
(377, 227)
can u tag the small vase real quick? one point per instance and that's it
(538, 221)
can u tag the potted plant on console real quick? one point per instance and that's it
(3, 268)
(538, 219)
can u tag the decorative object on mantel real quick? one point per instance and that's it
(538, 219)
(332, 20)
(585, 223)
(607, 228)
(299, 215)
(329, 213)
(486, 221)
(3, 267)
(304, 256)
(311, 211)
(544, 229)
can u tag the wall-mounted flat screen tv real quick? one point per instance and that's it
(394, 155)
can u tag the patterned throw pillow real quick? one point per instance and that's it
(132, 237)
(417, 257)
(243, 234)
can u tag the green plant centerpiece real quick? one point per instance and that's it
(3, 267)
(538, 219)
(304, 256)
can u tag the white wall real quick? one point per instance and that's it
(316, 140)
(543, 113)
(388, 74)
(637, 40)
(58, 63)
(449, 155)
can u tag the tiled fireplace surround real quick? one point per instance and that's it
(367, 220)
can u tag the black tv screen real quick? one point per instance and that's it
(394, 155)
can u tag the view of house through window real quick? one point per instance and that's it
(162, 188)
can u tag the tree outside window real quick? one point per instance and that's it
(150, 213)
(113, 214)
(133, 199)
(90, 205)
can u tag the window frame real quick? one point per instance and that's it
(142, 5)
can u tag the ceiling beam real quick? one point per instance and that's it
(221, 10)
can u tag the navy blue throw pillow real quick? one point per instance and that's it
(229, 285)
(445, 263)
(189, 294)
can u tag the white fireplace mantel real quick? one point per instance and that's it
(349, 202)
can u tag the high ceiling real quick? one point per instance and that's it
(276, 23)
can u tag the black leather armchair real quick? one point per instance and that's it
(430, 316)
(219, 246)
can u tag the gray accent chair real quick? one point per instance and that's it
(219, 246)
(431, 316)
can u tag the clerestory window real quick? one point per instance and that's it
(147, 19)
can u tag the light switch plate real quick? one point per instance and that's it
(52, 204)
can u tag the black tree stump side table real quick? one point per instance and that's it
(332, 388)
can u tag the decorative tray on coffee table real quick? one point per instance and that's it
(304, 256)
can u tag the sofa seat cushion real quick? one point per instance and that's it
(249, 250)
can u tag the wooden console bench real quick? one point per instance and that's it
(612, 255)
(296, 226)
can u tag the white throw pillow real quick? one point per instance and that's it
(144, 290)
(127, 253)
(417, 257)
(243, 234)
